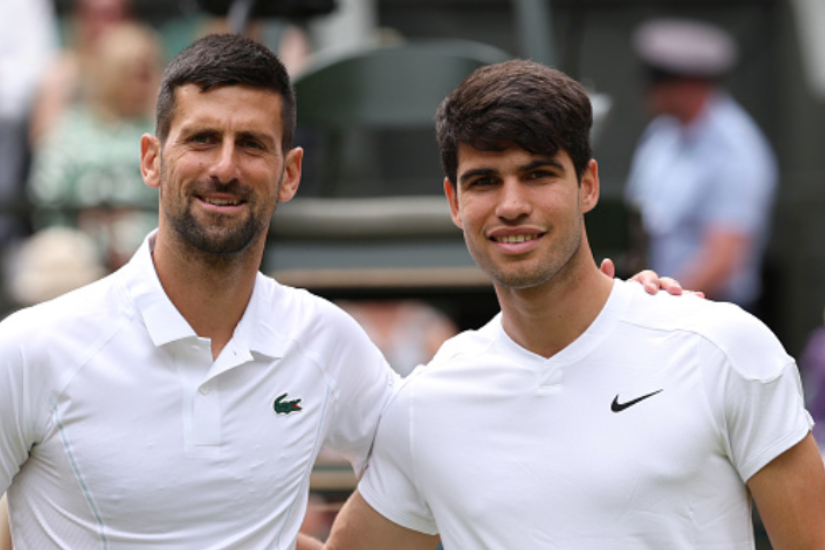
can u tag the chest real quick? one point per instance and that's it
(599, 443)
(141, 431)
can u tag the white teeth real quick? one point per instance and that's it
(221, 202)
(516, 238)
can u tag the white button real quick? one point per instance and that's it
(205, 389)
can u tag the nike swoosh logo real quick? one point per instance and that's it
(619, 407)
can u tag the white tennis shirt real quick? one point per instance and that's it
(119, 431)
(640, 434)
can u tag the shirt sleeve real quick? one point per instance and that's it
(20, 392)
(743, 201)
(389, 483)
(363, 386)
(757, 393)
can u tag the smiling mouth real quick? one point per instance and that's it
(222, 202)
(508, 239)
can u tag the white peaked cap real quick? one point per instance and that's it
(685, 47)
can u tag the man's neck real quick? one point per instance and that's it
(548, 318)
(211, 296)
(695, 104)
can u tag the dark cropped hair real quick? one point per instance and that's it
(516, 102)
(226, 60)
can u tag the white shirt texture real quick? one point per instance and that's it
(119, 431)
(718, 172)
(640, 434)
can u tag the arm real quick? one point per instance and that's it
(722, 254)
(790, 495)
(304, 543)
(359, 526)
(5, 532)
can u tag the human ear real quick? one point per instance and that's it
(589, 187)
(150, 149)
(292, 174)
(452, 197)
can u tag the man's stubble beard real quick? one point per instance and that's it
(218, 242)
(547, 269)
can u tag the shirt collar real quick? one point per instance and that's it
(254, 333)
(256, 329)
(703, 122)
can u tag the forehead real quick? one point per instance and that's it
(227, 108)
(512, 157)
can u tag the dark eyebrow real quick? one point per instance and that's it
(190, 131)
(258, 136)
(538, 163)
(469, 174)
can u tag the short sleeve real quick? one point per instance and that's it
(756, 392)
(744, 198)
(363, 386)
(21, 393)
(389, 483)
(766, 418)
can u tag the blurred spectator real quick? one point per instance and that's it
(66, 80)
(353, 25)
(286, 36)
(28, 38)
(288, 40)
(408, 332)
(703, 176)
(53, 262)
(86, 171)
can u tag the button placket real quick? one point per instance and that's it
(203, 414)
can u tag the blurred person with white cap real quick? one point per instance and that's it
(703, 175)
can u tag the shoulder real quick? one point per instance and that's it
(64, 330)
(93, 304)
(301, 313)
(466, 345)
(659, 127)
(659, 137)
(320, 329)
(734, 131)
(457, 360)
(747, 344)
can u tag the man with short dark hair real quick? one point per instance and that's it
(181, 402)
(587, 414)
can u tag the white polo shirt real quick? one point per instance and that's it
(640, 434)
(119, 431)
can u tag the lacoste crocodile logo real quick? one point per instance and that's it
(286, 407)
(619, 407)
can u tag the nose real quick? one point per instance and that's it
(224, 167)
(513, 203)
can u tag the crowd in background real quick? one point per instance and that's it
(77, 92)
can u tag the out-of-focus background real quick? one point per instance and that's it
(370, 228)
(779, 79)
